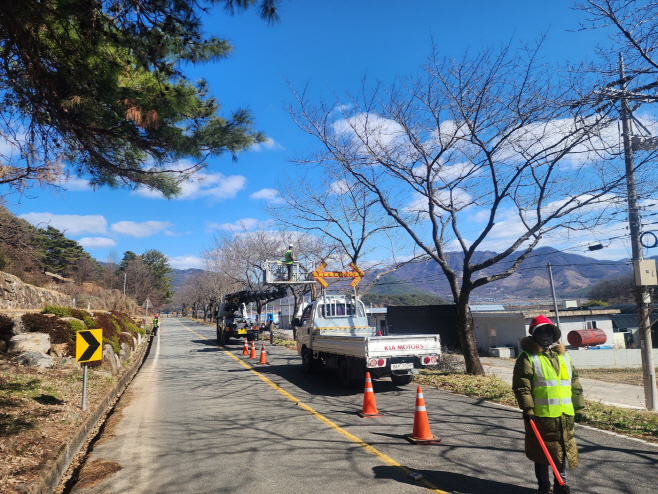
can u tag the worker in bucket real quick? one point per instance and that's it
(289, 260)
(547, 389)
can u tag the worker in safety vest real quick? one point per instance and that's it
(289, 260)
(547, 389)
(155, 325)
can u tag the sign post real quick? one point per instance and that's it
(88, 348)
(146, 304)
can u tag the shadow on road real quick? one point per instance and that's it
(455, 482)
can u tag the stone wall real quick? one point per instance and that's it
(14, 294)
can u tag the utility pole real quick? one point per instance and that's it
(642, 297)
(125, 275)
(550, 277)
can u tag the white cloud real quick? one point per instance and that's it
(245, 224)
(140, 230)
(185, 262)
(269, 145)
(269, 195)
(75, 183)
(72, 224)
(339, 187)
(459, 199)
(96, 242)
(211, 185)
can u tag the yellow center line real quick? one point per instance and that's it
(359, 442)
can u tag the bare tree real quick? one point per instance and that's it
(239, 256)
(481, 153)
(338, 207)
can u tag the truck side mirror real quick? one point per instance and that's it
(296, 322)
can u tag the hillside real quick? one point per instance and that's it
(573, 275)
(180, 275)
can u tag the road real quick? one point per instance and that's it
(203, 419)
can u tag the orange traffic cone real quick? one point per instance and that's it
(263, 358)
(245, 350)
(369, 405)
(421, 433)
(252, 354)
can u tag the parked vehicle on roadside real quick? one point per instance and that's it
(233, 319)
(333, 332)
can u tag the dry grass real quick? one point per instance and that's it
(39, 410)
(635, 423)
(622, 376)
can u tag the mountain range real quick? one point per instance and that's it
(573, 275)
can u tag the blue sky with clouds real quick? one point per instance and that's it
(330, 46)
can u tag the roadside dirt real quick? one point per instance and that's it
(39, 410)
(95, 471)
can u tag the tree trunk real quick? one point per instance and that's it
(467, 337)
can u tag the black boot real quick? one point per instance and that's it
(562, 489)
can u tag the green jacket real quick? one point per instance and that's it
(557, 433)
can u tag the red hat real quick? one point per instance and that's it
(538, 321)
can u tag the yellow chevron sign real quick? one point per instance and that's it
(88, 345)
(320, 274)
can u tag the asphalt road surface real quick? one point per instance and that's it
(199, 419)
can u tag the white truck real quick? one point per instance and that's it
(333, 332)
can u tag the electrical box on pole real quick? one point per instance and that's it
(645, 272)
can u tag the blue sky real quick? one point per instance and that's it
(329, 45)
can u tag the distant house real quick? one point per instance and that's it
(377, 318)
(626, 323)
(506, 328)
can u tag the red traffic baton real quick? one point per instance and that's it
(548, 455)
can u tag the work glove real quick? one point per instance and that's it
(578, 417)
(528, 415)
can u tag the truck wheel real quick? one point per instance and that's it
(344, 374)
(307, 361)
(219, 336)
(401, 380)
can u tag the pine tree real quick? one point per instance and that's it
(158, 265)
(99, 85)
(58, 254)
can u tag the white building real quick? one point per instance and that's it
(377, 318)
(506, 328)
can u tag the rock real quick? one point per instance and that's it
(129, 337)
(59, 349)
(14, 294)
(139, 339)
(69, 362)
(29, 342)
(117, 361)
(36, 359)
(18, 328)
(3, 345)
(70, 319)
(124, 355)
(134, 343)
(109, 360)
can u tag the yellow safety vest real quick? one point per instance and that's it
(289, 257)
(551, 392)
